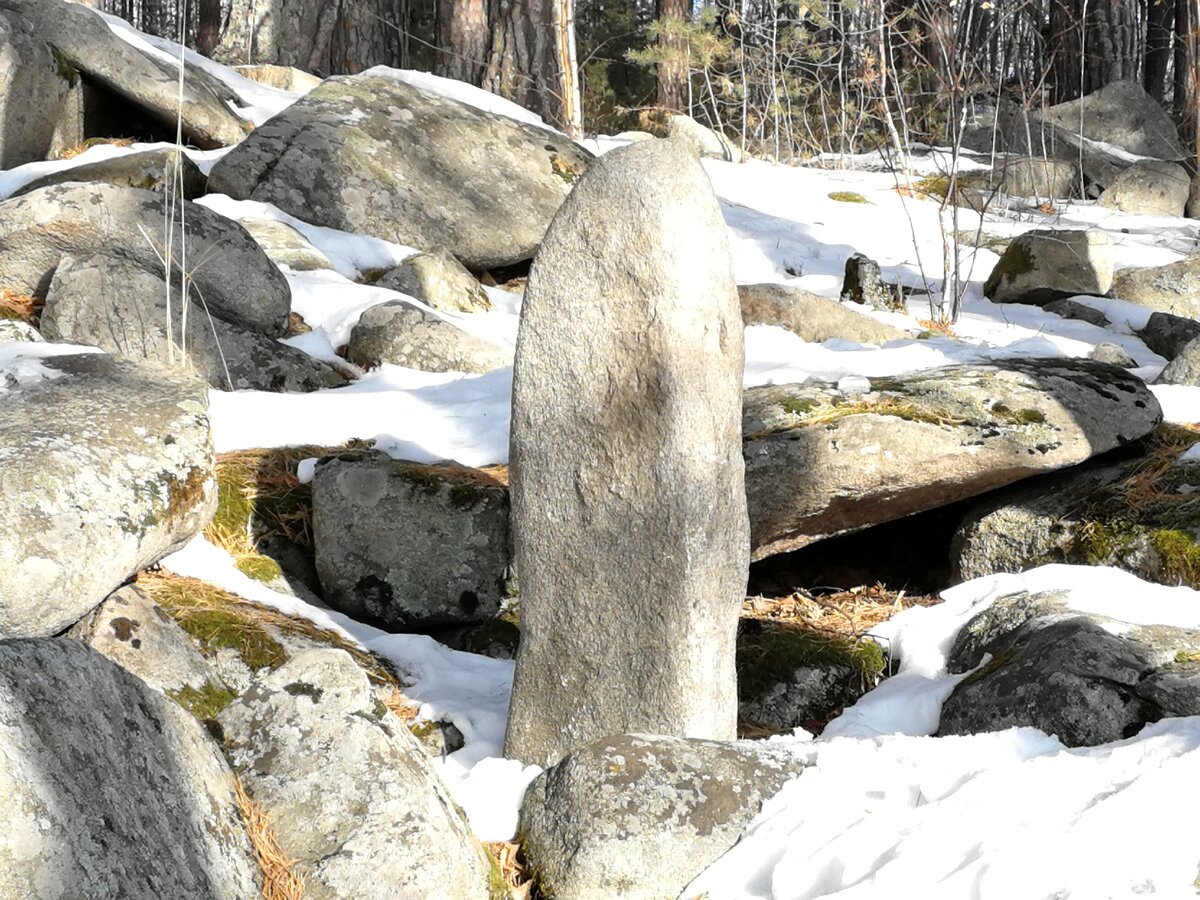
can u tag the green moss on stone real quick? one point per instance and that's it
(1179, 554)
(260, 568)
(773, 654)
(204, 703)
(799, 406)
(215, 629)
(847, 197)
(1017, 260)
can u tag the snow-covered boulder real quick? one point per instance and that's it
(104, 468)
(1085, 678)
(349, 791)
(1149, 188)
(1135, 514)
(141, 82)
(109, 789)
(156, 170)
(820, 463)
(1173, 288)
(118, 306)
(33, 91)
(398, 332)
(439, 281)
(134, 632)
(810, 316)
(639, 817)
(228, 269)
(375, 155)
(1048, 264)
(410, 545)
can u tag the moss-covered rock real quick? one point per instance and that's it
(1040, 266)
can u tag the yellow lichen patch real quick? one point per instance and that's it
(280, 881)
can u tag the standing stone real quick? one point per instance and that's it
(628, 493)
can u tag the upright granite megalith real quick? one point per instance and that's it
(628, 496)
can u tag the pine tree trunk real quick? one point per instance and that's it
(1185, 93)
(1088, 56)
(1160, 20)
(673, 70)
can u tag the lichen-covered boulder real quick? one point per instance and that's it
(1048, 264)
(820, 463)
(810, 316)
(374, 155)
(350, 793)
(1028, 176)
(116, 305)
(1168, 334)
(104, 469)
(161, 170)
(399, 333)
(226, 267)
(33, 89)
(109, 789)
(410, 545)
(146, 81)
(1173, 288)
(1084, 678)
(1184, 368)
(439, 281)
(639, 817)
(1136, 514)
(863, 283)
(1149, 188)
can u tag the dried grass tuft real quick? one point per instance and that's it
(279, 879)
(19, 306)
(511, 866)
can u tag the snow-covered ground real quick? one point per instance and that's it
(883, 809)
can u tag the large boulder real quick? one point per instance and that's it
(1173, 288)
(630, 531)
(410, 545)
(109, 789)
(1048, 264)
(820, 463)
(399, 333)
(161, 170)
(1168, 334)
(439, 281)
(118, 306)
(350, 793)
(226, 267)
(1149, 188)
(810, 316)
(286, 246)
(1084, 678)
(373, 155)
(702, 139)
(1184, 368)
(149, 83)
(639, 817)
(1030, 176)
(104, 469)
(1138, 514)
(33, 90)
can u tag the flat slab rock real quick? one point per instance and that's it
(639, 817)
(104, 469)
(820, 463)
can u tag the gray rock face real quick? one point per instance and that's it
(1082, 677)
(285, 245)
(133, 631)
(19, 331)
(863, 283)
(109, 789)
(399, 333)
(1174, 288)
(349, 791)
(118, 306)
(32, 91)
(1150, 188)
(628, 497)
(924, 440)
(1027, 176)
(702, 139)
(810, 316)
(1073, 309)
(1123, 115)
(149, 83)
(1192, 210)
(438, 281)
(1113, 354)
(1167, 334)
(410, 545)
(237, 280)
(1040, 266)
(639, 817)
(1184, 368)
(371, 155)
(104, 469)
(152, 170)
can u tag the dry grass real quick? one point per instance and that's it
(938, 326)
(403, 708)
(19, 306)
(1148, 485)
(72, 152)
(511, 864)
(279, 880)
(846, 614)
